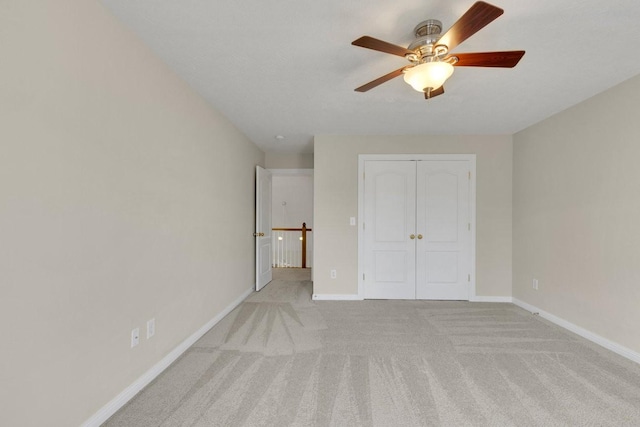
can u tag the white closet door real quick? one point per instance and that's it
(443, 221)
(389, 220)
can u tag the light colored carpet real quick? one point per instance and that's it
(281, 359)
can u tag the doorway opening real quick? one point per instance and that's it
(292, 222)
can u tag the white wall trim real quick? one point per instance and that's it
(471, 158)
(608, 344)
(490, 299)
(336, 297)
(128, 393)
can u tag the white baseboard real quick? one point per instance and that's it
(491, 299)
(336, 297)
(609, 345)
(349, 297)
(127, 394)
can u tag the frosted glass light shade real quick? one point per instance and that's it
(428, 75)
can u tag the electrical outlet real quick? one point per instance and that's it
(151, 328)
(352, 220)
(534, 284)
(135, 337)
(334, 274)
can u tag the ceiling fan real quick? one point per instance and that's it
(429, 54)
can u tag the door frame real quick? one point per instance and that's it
(263, 210)
(471, 158)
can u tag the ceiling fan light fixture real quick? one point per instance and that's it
(428, 75)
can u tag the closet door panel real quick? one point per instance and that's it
(389, 221)
(442, 220)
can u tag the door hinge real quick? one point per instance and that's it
(469, 174)
(362, 276)
(363, 225)
(468, 278)
(469, 226)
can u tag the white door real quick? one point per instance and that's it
(389, 221)
(263, 227)
(443, 230)
(417, 238)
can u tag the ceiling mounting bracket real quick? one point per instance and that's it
(428, 28)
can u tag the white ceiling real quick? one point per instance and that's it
(287, 67)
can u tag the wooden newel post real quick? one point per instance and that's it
(304, 245)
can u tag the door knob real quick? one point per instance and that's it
(419, 236)
(413, 236)
(258, 234)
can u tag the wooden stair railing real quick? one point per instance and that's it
(304, 231)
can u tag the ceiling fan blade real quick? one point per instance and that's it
(435, 92)
(507, 59)
(475, 19)
(381, 80)
(381, 46)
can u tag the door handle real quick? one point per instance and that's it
(419, 236)
(413, 236)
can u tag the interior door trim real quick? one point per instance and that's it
(362, 158)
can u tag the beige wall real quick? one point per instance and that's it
(336, 199)
(117, 185)
(275, 160)
(576, 215)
